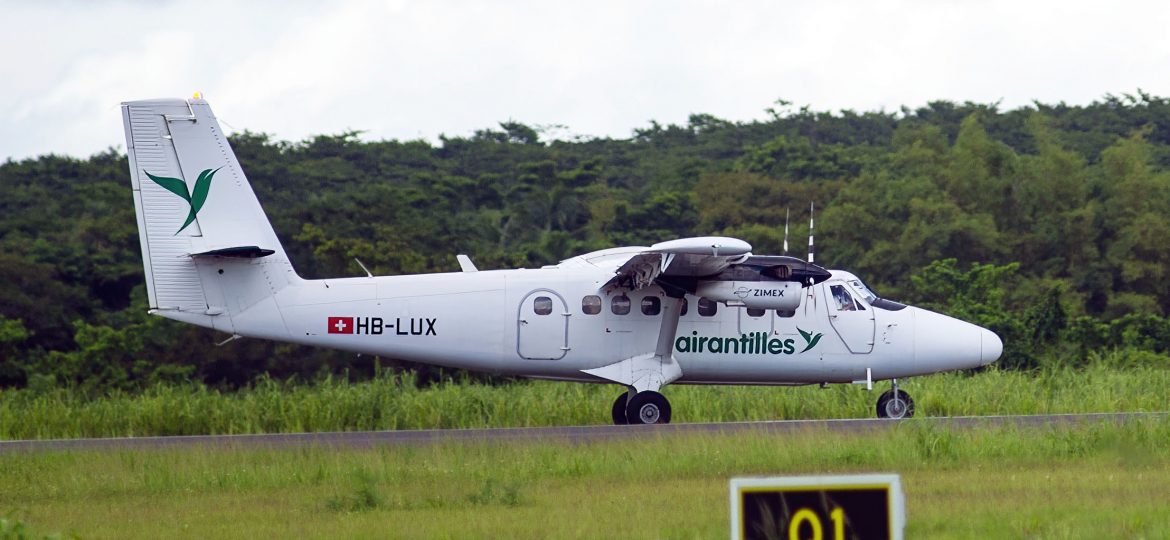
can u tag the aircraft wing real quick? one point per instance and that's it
(685, 257)
(713, 258)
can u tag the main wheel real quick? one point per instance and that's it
(648, 407)
(619, 409)
(896, 407)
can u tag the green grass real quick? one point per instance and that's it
(1095, 481)
(391, 402)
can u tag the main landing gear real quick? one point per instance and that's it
(647, 407)
(895, 403)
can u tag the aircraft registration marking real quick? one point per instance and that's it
(414, 326)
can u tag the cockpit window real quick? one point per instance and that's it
(844, 300)
(864, 291)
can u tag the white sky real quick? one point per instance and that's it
(407, 70)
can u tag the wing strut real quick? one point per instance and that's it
(649, 371)
(671, 311)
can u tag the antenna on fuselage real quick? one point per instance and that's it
(368, 274)
(786, 231)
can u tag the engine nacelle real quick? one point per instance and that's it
(782, 295)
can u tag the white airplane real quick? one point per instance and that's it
(686, 311)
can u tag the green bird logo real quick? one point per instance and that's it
(179, 187)
(810, 340)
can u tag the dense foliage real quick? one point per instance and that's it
(1046, 223)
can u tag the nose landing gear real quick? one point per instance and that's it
(895, 403)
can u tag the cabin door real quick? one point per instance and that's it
(542, 326)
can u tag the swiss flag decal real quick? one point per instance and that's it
(340, 325)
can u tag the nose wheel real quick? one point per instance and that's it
(895, 403)
(646, 407)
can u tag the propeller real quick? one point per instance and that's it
(786, 231)
(811, 223)
(812, 295)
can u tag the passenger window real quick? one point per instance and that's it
(843, 299)
(620, 305)
(683, 311)
(756, 312)
(591, 305)
(707, 307)
(542, 305)
(651, 305)
(786, 313)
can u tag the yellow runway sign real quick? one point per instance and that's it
(818, 507)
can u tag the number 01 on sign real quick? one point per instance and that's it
(818, 507)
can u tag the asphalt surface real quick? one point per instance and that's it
(578, 434)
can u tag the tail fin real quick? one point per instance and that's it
(207, 247)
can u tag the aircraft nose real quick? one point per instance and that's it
(991, 345)
(943, 343)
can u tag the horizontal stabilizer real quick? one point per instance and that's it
(238, 252)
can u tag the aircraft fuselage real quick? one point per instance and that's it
(555, 322)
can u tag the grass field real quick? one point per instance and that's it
(390, 402)
(1100, 481)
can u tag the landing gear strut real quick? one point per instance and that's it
(647, 407)
(644, 374)
(895, 403)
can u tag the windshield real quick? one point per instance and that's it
(863, 290)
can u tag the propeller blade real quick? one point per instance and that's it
(811, 225)
(786, 231)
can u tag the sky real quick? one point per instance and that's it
(418, 70)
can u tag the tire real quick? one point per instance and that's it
(888, 407)
(648, 407)
(619, 409)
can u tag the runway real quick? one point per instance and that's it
(574, 434)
